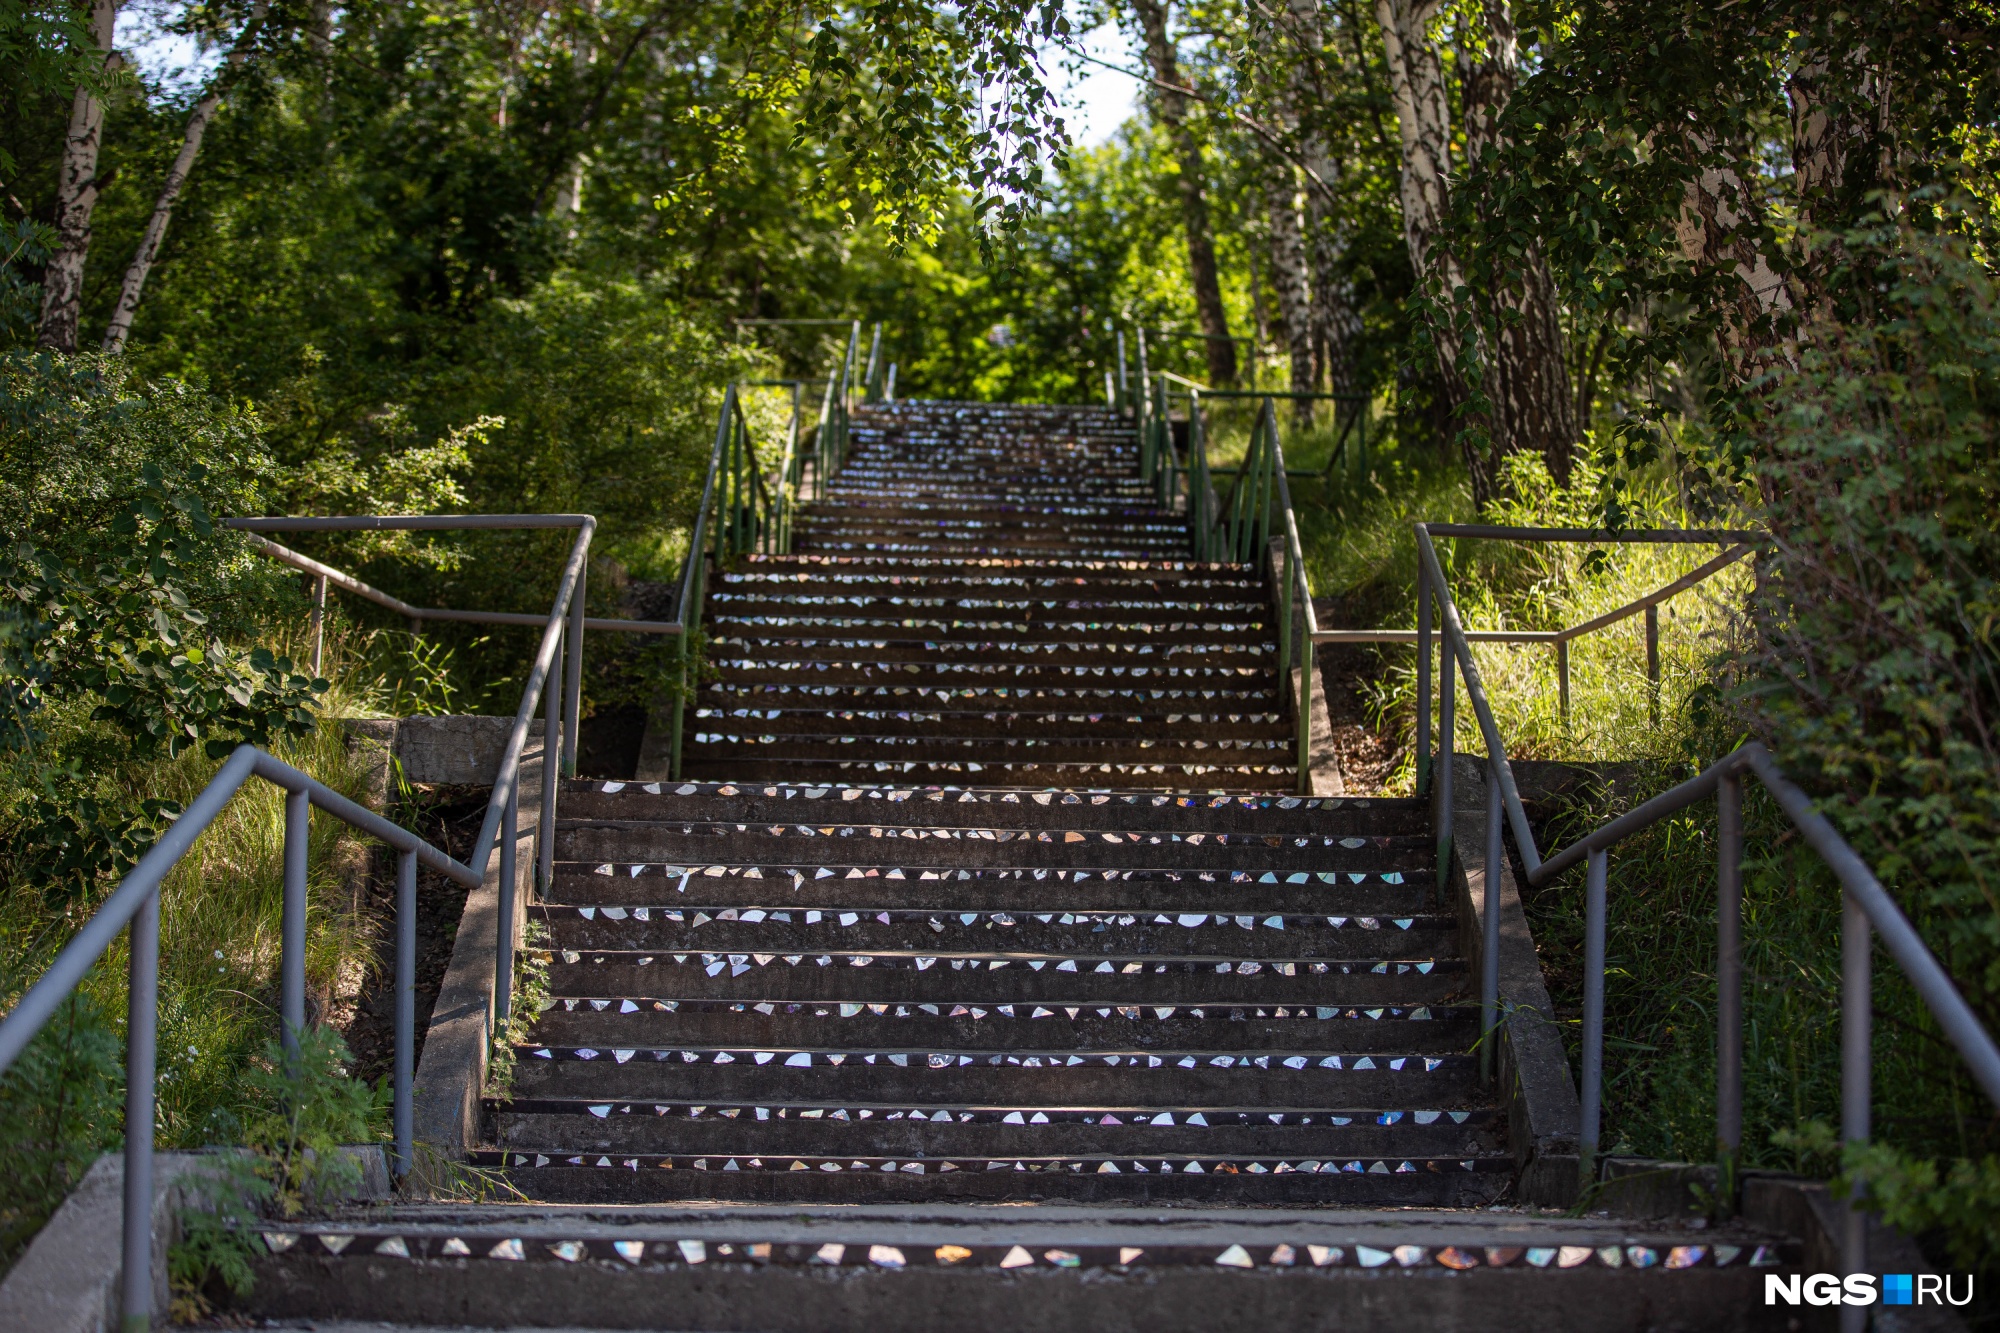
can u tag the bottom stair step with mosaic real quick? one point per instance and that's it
(886, 1270)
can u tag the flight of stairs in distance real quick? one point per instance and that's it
(989, 596)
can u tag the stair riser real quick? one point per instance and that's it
(643, 1132)
(781, 983)
(604, 1185)
(996, 729)
(578, 840)
(801, 1299)
(918, 1031)
(1098, 777)
(991, 892)
(1330, 818)
(569, 931)
(1449, 1086)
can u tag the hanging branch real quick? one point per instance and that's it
(1270, 136)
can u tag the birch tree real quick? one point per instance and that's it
(77, 187)
(1336, 326)
(1288, 276)
(1501, 353)
(198, 122)
(1171, 104)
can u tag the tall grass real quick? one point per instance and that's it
(1361, 554)
(220, 913)
(1660, 985)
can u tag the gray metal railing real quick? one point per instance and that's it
(565, 622)
(134, 906)
(1867, 908)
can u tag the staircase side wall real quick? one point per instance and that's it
(1536, 1087)
(451, 1077)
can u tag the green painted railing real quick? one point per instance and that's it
(749, 509)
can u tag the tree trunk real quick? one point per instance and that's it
(1718, 226)
(1527, 379)
(1336, 328)
(1288, 279)
(76, 197)
(1839, 157)
(1209, 310)
(1423, 122)
(156, 226)
(170, 190)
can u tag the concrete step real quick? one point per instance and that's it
(822, 1128)
(867, 925)
(914, 975)
(1324, 1037)
(933, 1264)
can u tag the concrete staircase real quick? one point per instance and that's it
(984, 972)
(880, 993)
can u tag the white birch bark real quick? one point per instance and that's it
(1288, 274)
(198, 122)
(76, 198)
(1336, 326)
(1423, 122)
(1717, 229)
(1527, 366)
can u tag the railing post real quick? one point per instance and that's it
(573, 671)
(1124, 379)
(292, 925)
(1489, 959)
(503, 955)
(545, 850)
(1857, 940)
(406, 1003)
(1424, 682)
(1593, 1017)
(1562, 679)
(680, 696)
(1447, 739)
(142, 1020)
(1653, 664)
(319, 622)
(1728, 988)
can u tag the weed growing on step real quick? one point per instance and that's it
(301, 1111)
(530, 997)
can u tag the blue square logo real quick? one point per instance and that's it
(1896, 1289)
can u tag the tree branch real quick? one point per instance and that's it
(1265, 132)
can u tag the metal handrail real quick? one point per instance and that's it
(741, 512)
(134, 906)
(1867, 908)
(560, 708)
(1354, 426)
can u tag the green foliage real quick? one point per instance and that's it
(304, 1109)
(46, 51)
(27, 244)
(1959, 1202)
(61, 1105)
(114, 568)
(1628, 110)
(1878, 679)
